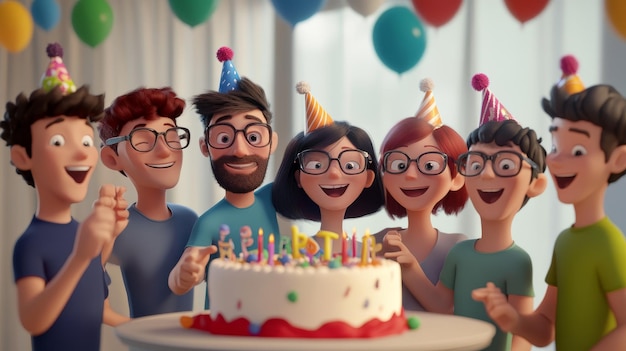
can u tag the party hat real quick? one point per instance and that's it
(316, 116)
(492, 109)
(570, 82)
(230, 78)
(56, 74)
(428, 110)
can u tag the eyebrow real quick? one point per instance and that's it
(225, 117)
(581, 131)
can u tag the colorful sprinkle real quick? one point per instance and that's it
(254, 329)
(292, 296)
(336, 263)
(238, 304)
(377, 284)
(366, 304)
(413, 322)
(345, 294)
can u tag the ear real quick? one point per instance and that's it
(203, 146)
(617, 161)
(110, 159)
(20, 158)
(371, 176)
(297, 176)
(457, 182)
(274, 143)
(537, 185)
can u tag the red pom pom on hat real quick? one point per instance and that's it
(569, 65)
(480, 82)
(491, 109)
(224, 54)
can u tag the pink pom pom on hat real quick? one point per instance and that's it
(492, 109)
(428, 109)
(56, 74)
(570, 81)
(229, 79)
(316, 116)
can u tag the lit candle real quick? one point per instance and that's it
(344, 248)
(328, 242)
(270, 250)
(353, 242)
(259, 246)
(364, 251)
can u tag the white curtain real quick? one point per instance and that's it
(333, 51)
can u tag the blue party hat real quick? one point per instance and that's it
(230, 78)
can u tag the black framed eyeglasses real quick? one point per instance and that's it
(428, 163)
(504, 163)
(144, 139)
(318, 161)
(222, 135)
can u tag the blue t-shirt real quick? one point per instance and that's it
(146, 252)
(466, 269)
(261, 214)
(41, 251)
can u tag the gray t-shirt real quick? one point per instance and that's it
(146, 252)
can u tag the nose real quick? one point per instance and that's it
(334, 170)
(412, 171)
(487, 171)
(240, 145)
(161, 148)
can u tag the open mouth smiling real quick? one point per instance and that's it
(241, 166)
(490, 196)
(160, 165)
(334, 190)
(564, 181)
(414, 192)
(78, 173)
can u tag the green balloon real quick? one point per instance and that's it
(193, 12)
(92, 21)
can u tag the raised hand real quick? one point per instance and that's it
(397, 251)
(192, 266)
(497, 306)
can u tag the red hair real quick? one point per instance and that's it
(411, 130)
(141, 102)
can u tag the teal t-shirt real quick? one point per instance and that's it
(587, 263)
(466, 269)
(261, 214)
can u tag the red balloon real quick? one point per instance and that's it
(525, 10)
(436, 13)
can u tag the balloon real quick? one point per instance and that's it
(399, 38)
(616, 11)
(46, 13)
(193, 12)
(16, 26)
(525, 10)
(436, 13)
(297, 11)
(365, 8)
(92, 21)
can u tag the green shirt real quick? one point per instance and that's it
(587, 263)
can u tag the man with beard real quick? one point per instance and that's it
(239, 164)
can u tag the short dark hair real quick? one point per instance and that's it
(248, 96)
(292, 202)
(505, 132)
(19, 116)
(601, 105)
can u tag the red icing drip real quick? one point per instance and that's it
(279, 328)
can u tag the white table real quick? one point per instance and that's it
(436, 332)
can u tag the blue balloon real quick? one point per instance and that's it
(46, 13)
(399, 38)
(294, 11)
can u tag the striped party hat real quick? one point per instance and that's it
(492, 109)
(428, 109)
(316, 116)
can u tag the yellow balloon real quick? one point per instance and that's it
(616, 11)
(16, 26)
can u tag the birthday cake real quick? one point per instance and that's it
(303, 297)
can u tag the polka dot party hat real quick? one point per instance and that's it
(492, 109)
(229, 79)
(428, 109)
(56, 74)
(316, 116)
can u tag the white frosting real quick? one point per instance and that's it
(351, 294)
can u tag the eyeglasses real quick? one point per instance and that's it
(222, 136)
(144, 139)
(318, 161)
(504, 163)
(428, 163)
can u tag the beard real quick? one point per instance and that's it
(239, 183)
